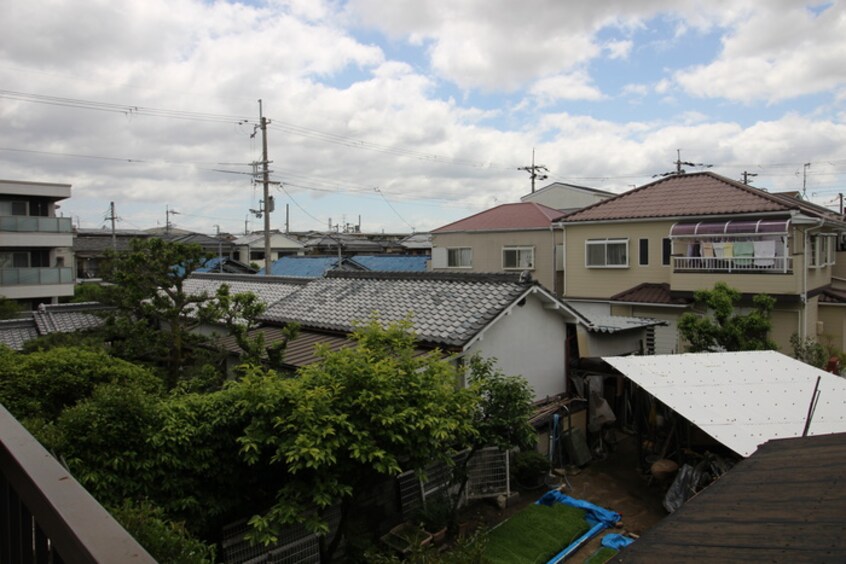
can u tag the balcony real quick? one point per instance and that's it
(46, 515)
(35, 224)
(770, 275)
(734, 265)
(36, 276)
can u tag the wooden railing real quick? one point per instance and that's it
(46, 515)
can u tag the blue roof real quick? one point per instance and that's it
(302, 266)
(210, 265)
(393, 263)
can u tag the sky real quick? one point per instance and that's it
(409, 114)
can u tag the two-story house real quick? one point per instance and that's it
(645, 252)
(508, 238)
(36, 248)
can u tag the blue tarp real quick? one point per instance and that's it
(598, 517)
(616, 541)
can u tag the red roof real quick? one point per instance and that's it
(697, 194)
(524, 215)
(649, 293)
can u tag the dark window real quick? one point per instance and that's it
(666, 251)
(643, 252)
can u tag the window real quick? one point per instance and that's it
(461, 257)
(518, 258)
(666, 251)
(643, 252)
(607, 253)
(12, 207)
(822, 250)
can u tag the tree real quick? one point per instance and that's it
(725, 329)
(155, 315)
(360, 415)
(501, 417)
(9, 309)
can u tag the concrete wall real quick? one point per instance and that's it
(487, 251)
(529, 342)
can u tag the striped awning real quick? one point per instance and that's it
(731, 227)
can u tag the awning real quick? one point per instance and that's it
(741, 399)
(731, 227)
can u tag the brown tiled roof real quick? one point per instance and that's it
(648, 293)
(524, 215)
(829, 296)
(697, 194)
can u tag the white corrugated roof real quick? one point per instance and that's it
(742, 399)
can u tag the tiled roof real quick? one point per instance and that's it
(697, 194)
(268, 289)
(48, 319)
(445, 309)
(417, 241)
(66, 318)
(15, 332)
(524, 215)
(393, 263)
(648, 293)
(830, 296)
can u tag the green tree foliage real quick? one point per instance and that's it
(724, 329)
(239, 313)
(164, 539)
(155, 315)
(360, 415)
(42, 384)
(9, 309)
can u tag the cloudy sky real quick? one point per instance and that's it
(410, 113)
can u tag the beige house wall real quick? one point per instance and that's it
(833, 319)
(488, 246)
(584, 282)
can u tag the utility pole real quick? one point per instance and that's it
(219, 250)
(746, 176)
(113, 217)
(805, 168)
(533, 171)
(265, 180)
(168, 213)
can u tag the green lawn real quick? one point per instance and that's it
(536, 534)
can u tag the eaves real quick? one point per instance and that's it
(654, 219)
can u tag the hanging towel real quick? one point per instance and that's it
(708, 250)
(728, 250)
(764, 253)
(744, 251)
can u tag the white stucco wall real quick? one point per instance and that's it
(529, 342)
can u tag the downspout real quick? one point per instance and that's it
(807, 259)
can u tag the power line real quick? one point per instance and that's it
(378, 191)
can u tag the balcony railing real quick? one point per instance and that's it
(35, 276)
(46, 515)
(35, 224)
(739, 265)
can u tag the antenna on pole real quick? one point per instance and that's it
(112, 216)
(746, 176)
(168, 213)
(679, 170)
(533, 171)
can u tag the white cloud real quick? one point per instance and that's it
(776, 55)
(619, 49)
(573, 86)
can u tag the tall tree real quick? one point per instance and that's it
(361, 415)
(155, 316)
(723, 327)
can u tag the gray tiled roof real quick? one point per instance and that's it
(268, 289)
(48, 319)
(444, 309)
(15, 332)
(66, 318)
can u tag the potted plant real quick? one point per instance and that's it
(435, 516)
(529, 469)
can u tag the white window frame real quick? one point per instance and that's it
(519, 250)
(606, 243)
(450, 254)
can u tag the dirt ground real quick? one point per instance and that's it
(614, 483)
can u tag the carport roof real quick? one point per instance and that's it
(741, 399)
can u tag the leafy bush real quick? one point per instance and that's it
(527, 466)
